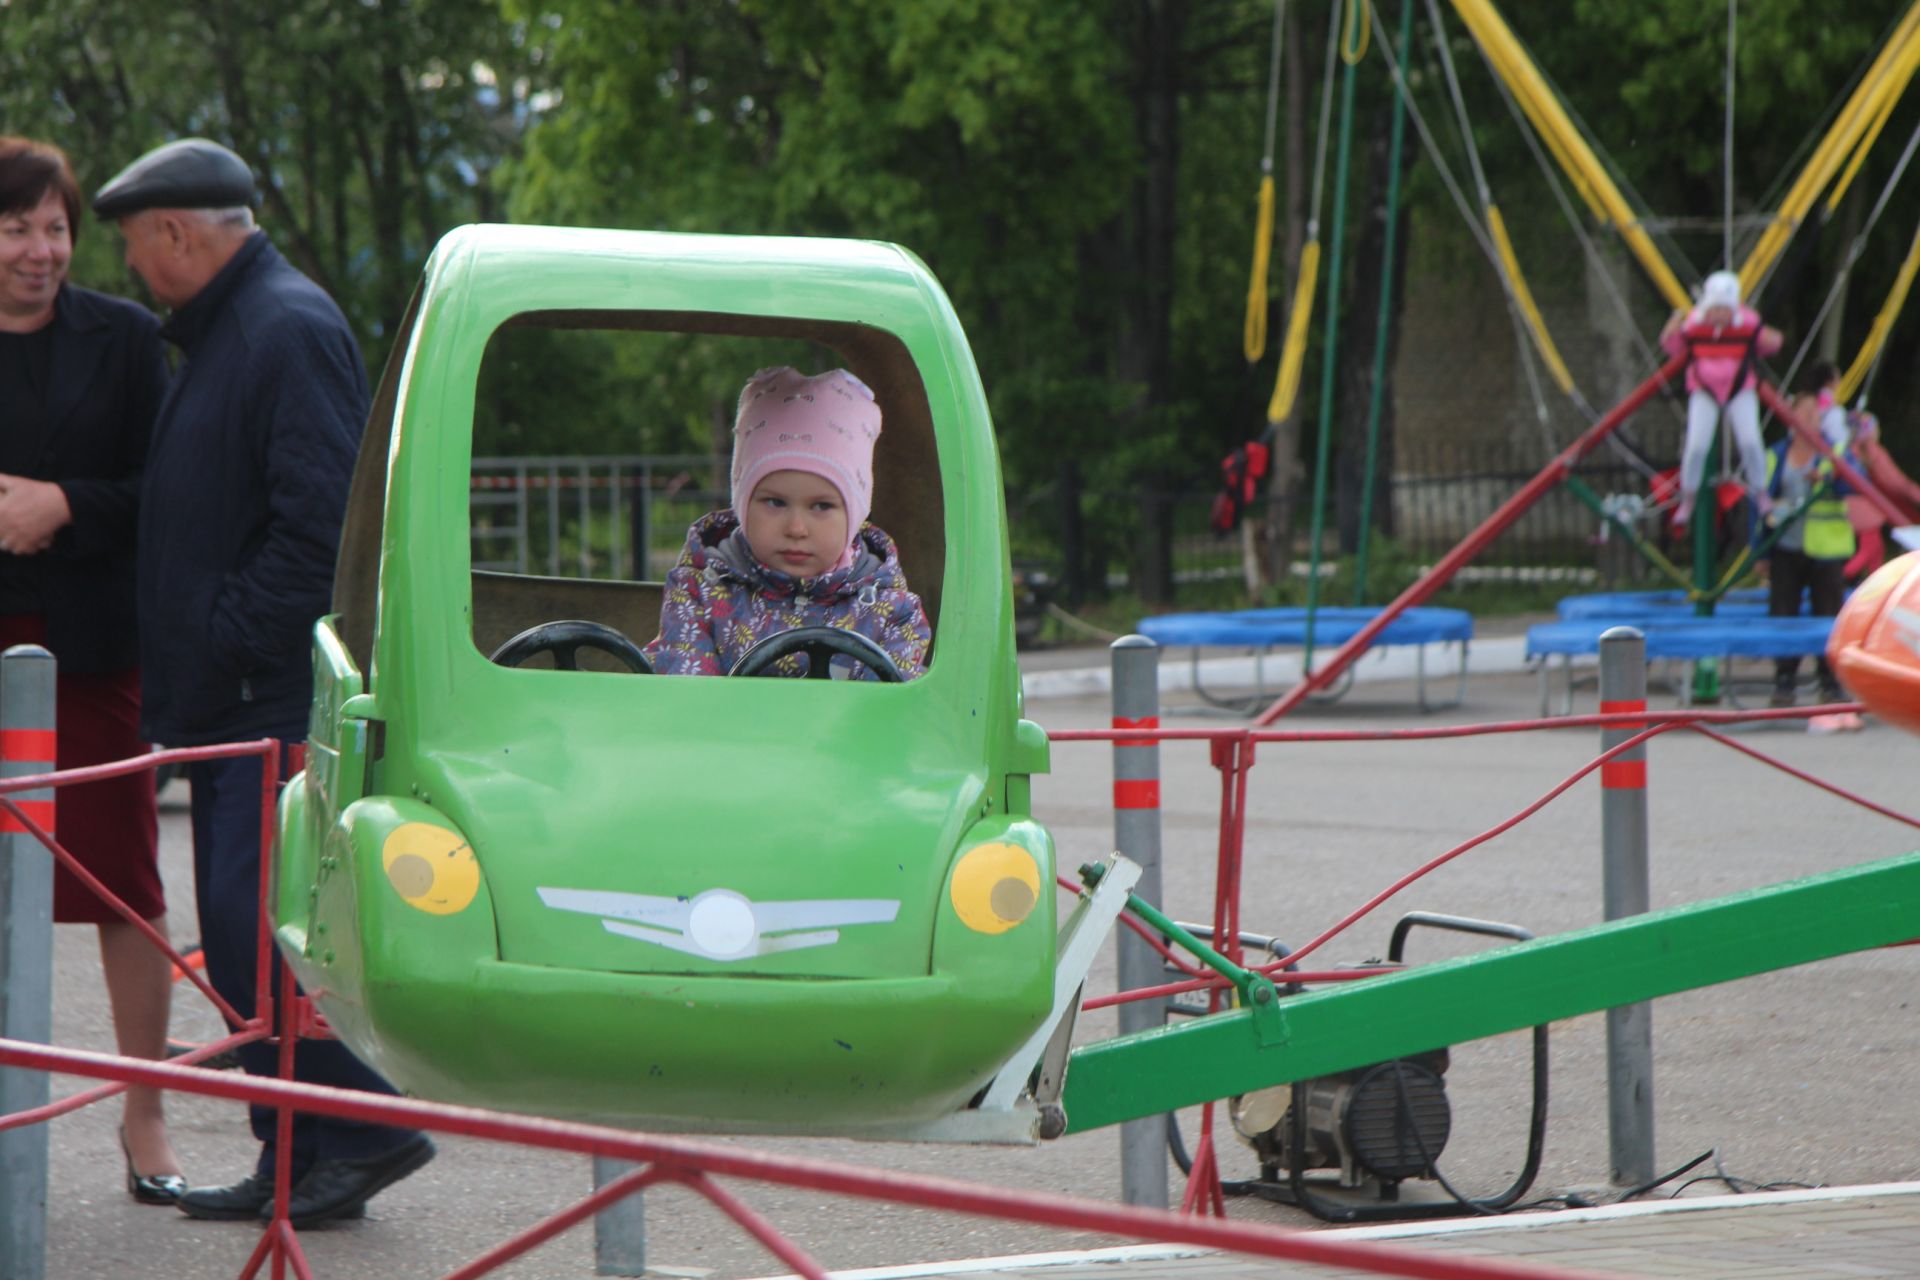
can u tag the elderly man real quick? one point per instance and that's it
(239, 518)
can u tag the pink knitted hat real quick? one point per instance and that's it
(824, 425)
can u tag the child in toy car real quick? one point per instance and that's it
(794, 553)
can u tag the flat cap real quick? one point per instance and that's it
(193, 173)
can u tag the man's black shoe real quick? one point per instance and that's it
(244, 1201)
(231, 1203)
(341, 1188)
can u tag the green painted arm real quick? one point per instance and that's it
(1452, 1001)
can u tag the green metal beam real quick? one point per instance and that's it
(1651, 554)
(1453, 1001)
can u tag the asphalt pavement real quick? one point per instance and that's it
(1801, 1077)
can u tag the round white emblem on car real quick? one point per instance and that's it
(720, 922)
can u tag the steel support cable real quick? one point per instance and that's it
(1855, 248)
(1447, 178)
(1726, 243)
(1860, 374)
(1828, 114)
(1828, 154)
(1638, 210)
(1526, 310)
(1890, 100)
(1572, 215)
(1655, 230)
(1384, 316)
(1329, 348)
(1254, 334)
(1551, 117)
(1620, 441)
(1480, 234)
(1872, 135)
(1896, 87)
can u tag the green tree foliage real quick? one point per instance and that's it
(1648, 83)
(1037, 156)
(372, 125)
(1080, 176)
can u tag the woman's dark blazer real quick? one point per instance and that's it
(107, 376)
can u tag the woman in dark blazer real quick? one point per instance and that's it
(81, 378)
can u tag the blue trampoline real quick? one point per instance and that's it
(1625, 606)
(1262, 630)
(1677, 638)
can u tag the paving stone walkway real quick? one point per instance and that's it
(1833, 1233)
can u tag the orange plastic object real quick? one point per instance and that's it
(1875, 644)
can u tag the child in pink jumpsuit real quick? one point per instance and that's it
(1723, 340)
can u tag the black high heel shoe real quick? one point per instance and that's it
(151, 1188)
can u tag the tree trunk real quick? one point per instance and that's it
(1142, 351)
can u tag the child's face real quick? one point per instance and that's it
(796, 523)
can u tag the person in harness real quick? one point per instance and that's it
(1722, 341)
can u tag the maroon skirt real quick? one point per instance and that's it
(112, 827)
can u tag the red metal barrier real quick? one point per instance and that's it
(1232, 752)
(697, 1165)
(693, 1165)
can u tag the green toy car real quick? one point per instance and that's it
(700, 904)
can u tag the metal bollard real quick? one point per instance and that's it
(1136, 834)
(1623, 843)
(26, 955)
(620, 1229)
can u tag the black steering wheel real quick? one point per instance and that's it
(819, 644)
(564, 640)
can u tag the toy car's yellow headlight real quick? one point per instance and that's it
(995, 887)
(430, 867)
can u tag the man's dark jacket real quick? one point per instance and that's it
(240, 514)
(104, 385)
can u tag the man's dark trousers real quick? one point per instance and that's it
(226, 871)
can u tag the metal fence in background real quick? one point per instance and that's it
(1433, 499)
(1441, 493)
(626, 516)
(586, 517)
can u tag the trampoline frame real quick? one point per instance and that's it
(1335, 625)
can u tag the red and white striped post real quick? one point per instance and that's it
(1624, 868)
(26, 953)
(1136, 835)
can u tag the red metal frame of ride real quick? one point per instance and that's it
(695, 1165)
(1232, 753)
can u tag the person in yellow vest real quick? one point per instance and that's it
(1810, 557)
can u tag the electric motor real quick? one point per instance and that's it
(1388, 1121)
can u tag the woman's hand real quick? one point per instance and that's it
(31, 512)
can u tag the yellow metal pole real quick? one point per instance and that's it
(1882, 323)
(1847, 128)
(1510, 61)
(1542, 340)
